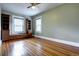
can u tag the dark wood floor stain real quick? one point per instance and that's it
(37, 47)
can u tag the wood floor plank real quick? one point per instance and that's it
(37, 47)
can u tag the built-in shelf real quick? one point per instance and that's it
(5, 21)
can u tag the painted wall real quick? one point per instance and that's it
(61, 22)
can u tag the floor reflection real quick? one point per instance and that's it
(18, 49)
(0, 46)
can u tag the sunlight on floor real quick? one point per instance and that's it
(18, 49)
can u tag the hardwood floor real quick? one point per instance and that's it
(37, 47)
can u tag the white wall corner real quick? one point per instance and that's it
(59, 40)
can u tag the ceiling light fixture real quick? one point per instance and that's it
(33, 7)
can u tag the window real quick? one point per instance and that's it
(38, 25)
(18, 25)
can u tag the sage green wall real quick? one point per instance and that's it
(61, 22)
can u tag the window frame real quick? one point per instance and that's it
(12, 31)
(37, 26)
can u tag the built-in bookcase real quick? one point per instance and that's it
(29, 27)
(5, 21)
(5, 26)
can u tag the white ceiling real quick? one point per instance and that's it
(21, 8)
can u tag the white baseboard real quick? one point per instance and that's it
(59, 40)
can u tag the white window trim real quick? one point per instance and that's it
(40, 17)
(11, 25)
